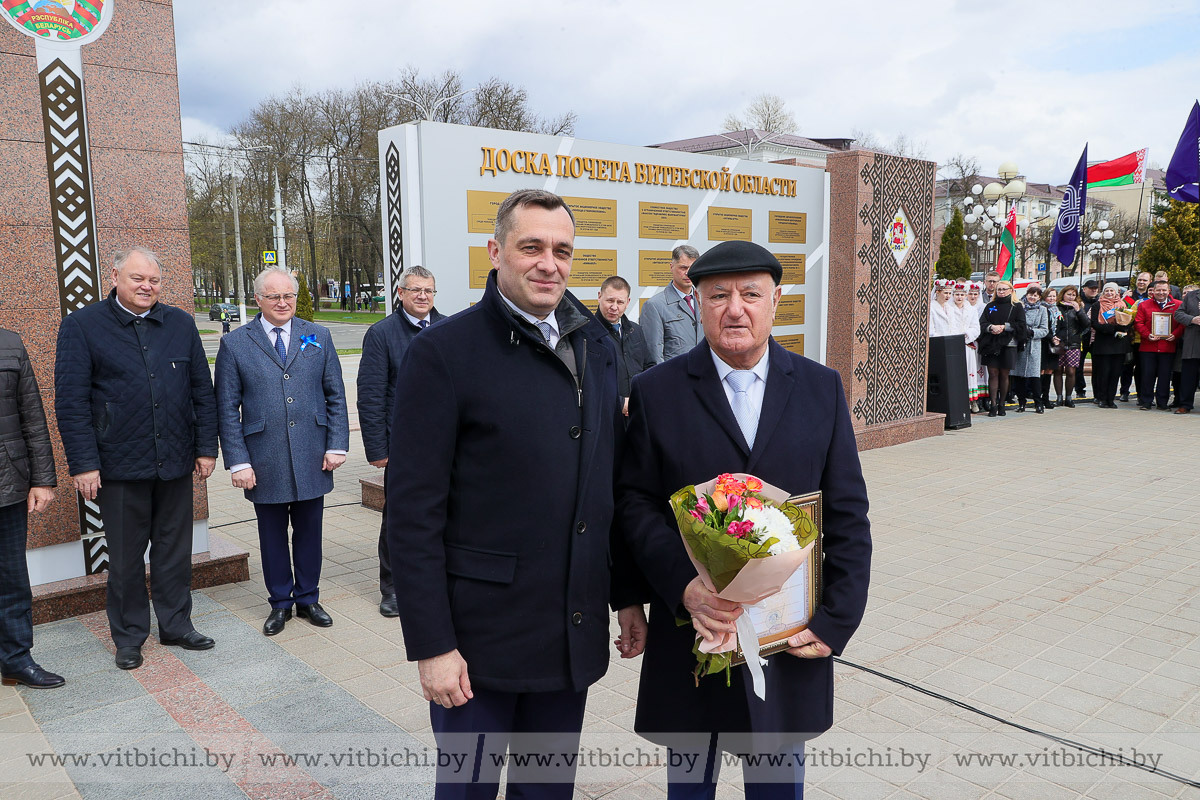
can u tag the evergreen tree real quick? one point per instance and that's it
(1174, 244)
(953, 260)
(304, 305)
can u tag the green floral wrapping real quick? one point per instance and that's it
(723, 556)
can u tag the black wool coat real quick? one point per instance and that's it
(499, 513)
(383, 349)
(635, 353)
(682, 432)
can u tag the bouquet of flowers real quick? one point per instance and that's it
(745, 541)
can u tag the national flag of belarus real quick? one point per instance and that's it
(1118, 172)
(1008, 246)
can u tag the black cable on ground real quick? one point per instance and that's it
(1113, 758)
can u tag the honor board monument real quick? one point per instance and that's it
(854, 239)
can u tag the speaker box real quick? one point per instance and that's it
(946, 389)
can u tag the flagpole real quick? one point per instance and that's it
(1137, 233)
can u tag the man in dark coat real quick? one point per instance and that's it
(27, 484)
(627, 335)
(739, 402)
(501, 553)
(135, 406)
(382, 351)
(1188, 315)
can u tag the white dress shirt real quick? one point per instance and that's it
(756, 391)
(550, 320)
(123, 308)
(287, 333)
(411, 318)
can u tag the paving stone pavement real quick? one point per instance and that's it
(1041, 568)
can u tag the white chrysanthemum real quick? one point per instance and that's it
(770, 522)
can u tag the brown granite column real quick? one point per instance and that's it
(137, 186)
(878, 336)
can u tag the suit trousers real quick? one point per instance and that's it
(1106, 372)
(1131, 374)
(692, 774)
(159, 514)
(291, 576)
(16, 599)
(1155, 384)
(386, 587)
(472, 740)
(1188, 379)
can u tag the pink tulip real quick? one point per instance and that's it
(702, 505)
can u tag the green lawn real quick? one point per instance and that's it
(359, 317)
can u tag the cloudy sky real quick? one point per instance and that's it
(1027, 81)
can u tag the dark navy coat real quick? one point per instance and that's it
(682, 432)
(133, 396)
(499, 512)
(281, 418)
(382, 351)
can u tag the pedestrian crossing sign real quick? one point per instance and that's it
(269, 256)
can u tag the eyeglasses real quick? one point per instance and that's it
(419, 292)
(275, 298)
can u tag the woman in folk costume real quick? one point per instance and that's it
(941, 312)
(1001, 334)
(975, 300)
(1028, 369)
(967, 323)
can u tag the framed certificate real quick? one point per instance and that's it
(1161, 322)
(788, 611)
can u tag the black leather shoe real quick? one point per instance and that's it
(1125, 397)
(34, 677)
(388, 606)
(1021, 409)
(192, 640)
(991, 412)
(314, 614)
(1038, 408)
(1068, 403)
(1001, 412)
(276, 621)
(129, 657)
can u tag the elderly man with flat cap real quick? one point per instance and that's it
(739, 402)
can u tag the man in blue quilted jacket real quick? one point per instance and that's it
(137, 415)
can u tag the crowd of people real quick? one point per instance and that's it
(1146, 338)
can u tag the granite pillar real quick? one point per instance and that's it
(136, 198)
(880, 268)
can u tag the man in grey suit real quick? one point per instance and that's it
(292, 432)
(669, 318)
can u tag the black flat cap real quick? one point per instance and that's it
(736, 257)
(1091, 284)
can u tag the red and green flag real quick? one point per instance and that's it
(1006, 262)
(1118, 172)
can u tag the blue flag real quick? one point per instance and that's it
(1065, 239)
(1183, 174)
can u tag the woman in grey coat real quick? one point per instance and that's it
(1026, 374)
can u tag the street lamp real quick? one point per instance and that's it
(996, 196)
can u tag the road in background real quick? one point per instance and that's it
(346, 336)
